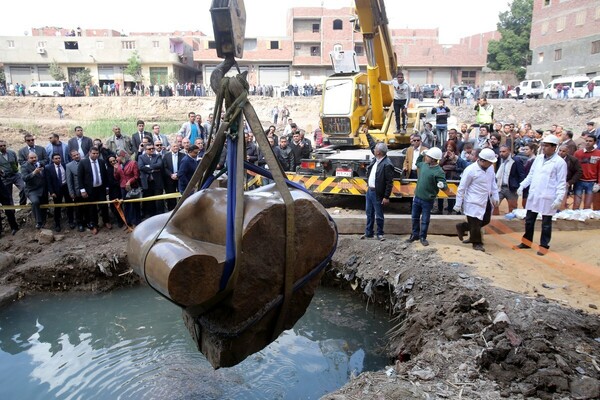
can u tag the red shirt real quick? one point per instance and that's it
(590, 164)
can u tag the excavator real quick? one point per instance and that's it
(354, 103)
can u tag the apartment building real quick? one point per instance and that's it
(301, 56)
(565, 39)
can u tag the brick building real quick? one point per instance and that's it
(301, 56)
(565, 39)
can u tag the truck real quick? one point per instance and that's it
(354, 103)
(491, 89)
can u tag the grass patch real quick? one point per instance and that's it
(103, 128)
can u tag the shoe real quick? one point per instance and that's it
(542, 251)
(72, 225)
(81, 228)
(120, 224)
(539, 253)
(38, 226)
(412, 239)
(108, 225)
(366, 237)
(478, 247)
(381, 238)
(94, 230)
(460, 232)
(467, 241)
(57, 228)
(424, 242)
(14, 231)
(522, 246)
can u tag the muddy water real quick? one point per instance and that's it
(132, 344)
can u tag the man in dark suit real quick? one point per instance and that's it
(509, 175)
(93, 183)
(188, 167)
(150, 165)
(137, 139)
(81, 143)
(31, 147)
(380, 175)
(72, 169)
(172, 163)
(56, 182)
(35, 188)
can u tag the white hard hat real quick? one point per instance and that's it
(434, 153)
(552, 139)
(488, 155)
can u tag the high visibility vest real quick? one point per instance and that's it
(484, 115)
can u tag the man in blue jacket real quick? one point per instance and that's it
(188, 167)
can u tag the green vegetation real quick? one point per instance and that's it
(134, 67)
(84, 77)
(56, 72)
(512, 52)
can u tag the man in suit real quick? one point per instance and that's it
(412, 153)
(137, 139)
(9, 165)
(93, 182)
(150, 165)
(35, 188)
(31, 147)
(160, 137)
(508, 177)
(56, 182)
(171, 164)
(81, 143)
(380, 175)
(57, 147)
(188, 167)
(74, 189)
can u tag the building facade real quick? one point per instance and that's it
(565, 39)
(300, 57)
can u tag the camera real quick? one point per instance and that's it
(38, 164)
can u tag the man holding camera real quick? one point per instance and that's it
(35, 188)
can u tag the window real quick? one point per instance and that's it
(338, 25)
(597, 15)
(560, 23)
(315, 51)
(596, 47)
(250, 44)
(10, 44)
(544, 28)
(99, 45)
(359, 49)
(468, 74)
(212, 44)
(316, 28)
(155, 44)
(274, 44)
(71, 46)
(128, 44)
(557, 54)
(580, 18)
(540, 58)
(546, 3)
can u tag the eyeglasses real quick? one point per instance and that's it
(149, 148)
(415, 140)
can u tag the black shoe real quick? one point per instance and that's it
(466, 241)
(424, 242)
(38, 226)
(460, 232)
(542, 251)
(14, 231)
(522, 246)
(81, 228)
(57, 228)
(366, 237)
(72, 225)
(478, 247)
(412, 239)
(381, 238)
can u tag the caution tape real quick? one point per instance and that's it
(115, 201)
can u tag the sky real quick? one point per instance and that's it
(454, 18)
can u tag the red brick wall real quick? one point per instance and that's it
(568, 9)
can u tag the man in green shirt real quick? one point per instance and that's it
(431, 179)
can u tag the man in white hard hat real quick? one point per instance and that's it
(547, 183)
(477, 195)
(431, 179)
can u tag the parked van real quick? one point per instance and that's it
(596, 81)
(47, 88)
(533, 88)
(577, 87)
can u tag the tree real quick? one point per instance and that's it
(84, 76)
(2, 75)
(134, 67)
(512, 52)
(56, 72)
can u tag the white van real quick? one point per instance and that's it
(533, 88)
(47, 88)
(596, 81)
(577, 87)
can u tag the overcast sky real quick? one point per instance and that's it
(455, 18)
